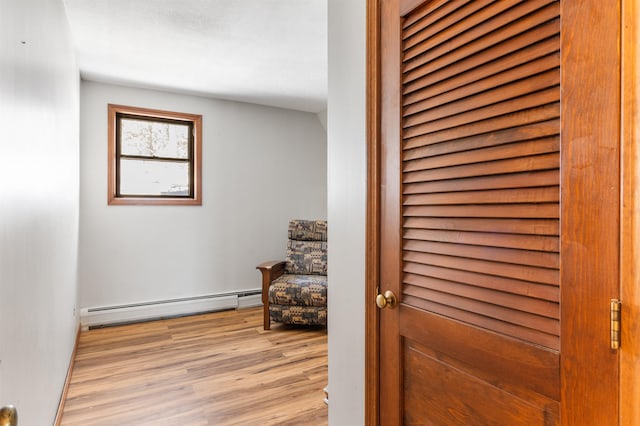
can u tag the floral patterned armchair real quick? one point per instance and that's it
(294, 291)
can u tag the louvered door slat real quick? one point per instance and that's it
(455, 88)
(520, 272)
(429, 9)
(456, 74)
(522, 164)
(497, 325)
(443, 69)
(450, 118)
(483, 281)
(523, 303)
(517, 257)
(432, 23)
(490, 310)
(515, 180)
(506, 136)
(486, 23)
(530, 195)
(529, 28)
(502, 226)
(455, 28)
(531, 210)
(480, 160)
(468, 98)
(523, 149)
(525, 242)
(520, 118)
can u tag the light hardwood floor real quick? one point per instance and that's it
(212, 369)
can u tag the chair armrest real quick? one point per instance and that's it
(270, 271)
(272, 265)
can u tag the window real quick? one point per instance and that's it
(154, 157)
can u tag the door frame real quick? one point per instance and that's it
(372, 226)
(629, 212)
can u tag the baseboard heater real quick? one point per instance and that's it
(160, 309)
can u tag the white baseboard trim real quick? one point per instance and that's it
(146, 311)
(249, 301)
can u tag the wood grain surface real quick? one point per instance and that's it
(212, 369)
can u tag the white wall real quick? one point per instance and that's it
(346, 209)
(261, 167)
(39, 95)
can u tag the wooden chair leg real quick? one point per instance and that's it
(267, 317)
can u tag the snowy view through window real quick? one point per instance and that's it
(154, 158)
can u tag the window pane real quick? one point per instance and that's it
(140, 177)
(154, 139)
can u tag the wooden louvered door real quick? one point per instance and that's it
(474, 183)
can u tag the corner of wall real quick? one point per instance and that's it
(322, 116)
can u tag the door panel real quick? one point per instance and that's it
(468, 399)
(470, 213)
(485, 355)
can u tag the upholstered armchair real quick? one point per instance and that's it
(294, 291)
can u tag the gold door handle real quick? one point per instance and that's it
(8, 416)
(386, 300)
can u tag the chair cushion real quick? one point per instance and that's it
(306, 257)
(308, 230)
(299, 290)
(302, 315)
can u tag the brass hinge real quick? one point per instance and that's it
(615, 324)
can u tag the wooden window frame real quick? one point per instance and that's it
(195, 150)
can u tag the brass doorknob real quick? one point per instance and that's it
(386, 300)
(8, 416)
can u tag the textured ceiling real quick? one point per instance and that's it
(270, 52)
